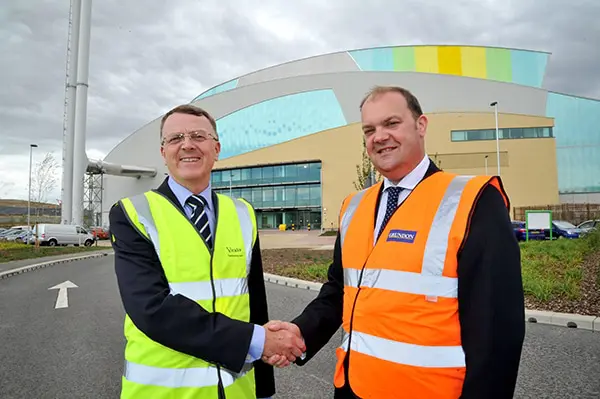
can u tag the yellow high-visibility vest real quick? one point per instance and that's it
(153, 370)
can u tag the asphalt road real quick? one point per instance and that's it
(76, 352)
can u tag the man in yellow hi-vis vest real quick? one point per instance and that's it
(190, 275)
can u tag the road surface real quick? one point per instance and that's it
(76, 351)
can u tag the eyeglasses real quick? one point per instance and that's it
(197, 136)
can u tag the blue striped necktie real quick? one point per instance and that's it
(393, 194)
(200, 218)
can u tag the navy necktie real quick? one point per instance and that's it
(200, 218)
(393, 193)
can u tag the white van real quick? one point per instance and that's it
(63, 234)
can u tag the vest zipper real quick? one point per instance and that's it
(347, 357)
(362, 271)
(221, 389)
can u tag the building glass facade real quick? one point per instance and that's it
(577, 131)
(505, 133)
(280, 194)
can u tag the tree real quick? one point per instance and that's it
(364, 170)
(44, 179)
(436, 161)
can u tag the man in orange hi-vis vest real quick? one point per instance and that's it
(426, 275)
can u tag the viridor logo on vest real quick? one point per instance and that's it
(234, 251)
(402, 236)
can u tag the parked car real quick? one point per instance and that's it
(16, 235)
(9, 232)
(521, 232)
(63, 234)
(563, 229)
(588, 226)
(100, 233)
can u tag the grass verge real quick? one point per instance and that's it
(15, 251)
(560, 275)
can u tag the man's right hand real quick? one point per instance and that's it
(286, 343)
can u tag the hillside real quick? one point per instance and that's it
(23, 203)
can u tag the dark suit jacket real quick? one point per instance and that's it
(490, 302)
(176, 321)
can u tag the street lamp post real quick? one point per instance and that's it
(495, 105)
(31, 147)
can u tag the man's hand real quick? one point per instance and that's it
(284, 358)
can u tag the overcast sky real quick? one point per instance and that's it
(148, 56)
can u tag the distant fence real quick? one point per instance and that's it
(574, 213)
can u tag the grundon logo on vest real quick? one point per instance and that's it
(402, 236)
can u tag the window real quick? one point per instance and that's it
(504, 133)
(291, 173)
(586, 225)
(272, 186)
(267, 174)
(459, 135)
(278, 174)
(290, 196)
(279, 197)
(256, 176)
(267, 197)
(315, 194)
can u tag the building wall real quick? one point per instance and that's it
(338, 149)
(577, 133)
(255, 108)
(528, 166)
(518, 66)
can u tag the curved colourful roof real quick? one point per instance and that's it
(518, 66)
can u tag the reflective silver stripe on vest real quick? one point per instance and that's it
(142, 207)
(403, 282)
(407, 354)
(247, 230)
(434, 257)
(202, 290)
(430, 281)
(349, 213)
(180, 377)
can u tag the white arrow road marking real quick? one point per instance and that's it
(62, 300)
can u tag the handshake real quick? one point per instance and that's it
(283, 343)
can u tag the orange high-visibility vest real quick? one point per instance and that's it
(400, 316)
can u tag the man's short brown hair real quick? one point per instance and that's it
(411, 100)
(190, 110)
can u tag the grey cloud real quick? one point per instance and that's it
(147, 57)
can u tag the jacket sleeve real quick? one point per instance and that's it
(259, 314)
(171, 320)
(323, 316)
(491, 301)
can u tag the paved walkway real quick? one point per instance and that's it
(272, 239)
(77, 351)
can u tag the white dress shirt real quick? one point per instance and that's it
(408, 183)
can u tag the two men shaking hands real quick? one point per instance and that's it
(283, 343)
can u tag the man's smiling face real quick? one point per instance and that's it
(189, 161)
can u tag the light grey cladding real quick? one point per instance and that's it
(140, 148)
(331, 63)
(441, 93)
(437, 93)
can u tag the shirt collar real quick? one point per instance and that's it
(182, 193)
(411, 180)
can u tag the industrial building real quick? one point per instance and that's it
(291, 138)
